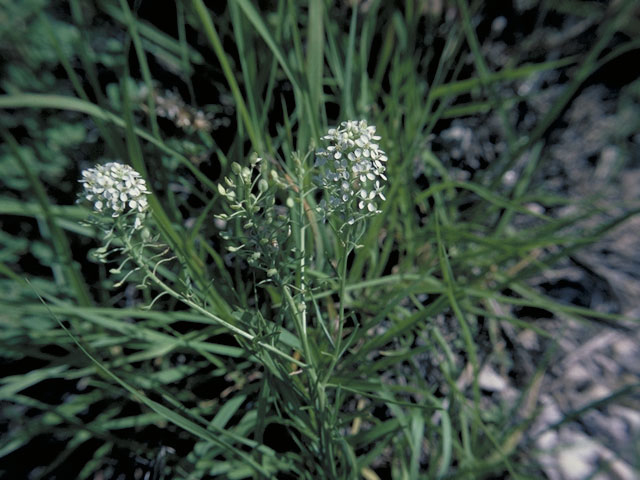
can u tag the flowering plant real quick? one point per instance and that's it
(352, 169)
(250, 194)
(116, 190)
(268, 223)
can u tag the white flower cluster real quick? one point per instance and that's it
(115, 188)
(353, 167)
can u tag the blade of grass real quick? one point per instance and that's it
(484, 73)
(214, 39)
(347, 91)
(54, 232)
(315, 58)
(132, 25)
(34, 100)
(470, 345)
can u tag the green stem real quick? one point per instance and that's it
(238, 331)
(342, 292)
(301, 332)
(302, 253)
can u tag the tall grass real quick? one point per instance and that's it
(364, 365)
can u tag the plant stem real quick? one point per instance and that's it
(238, 331)
(343, 290)
(301, 286)
(342, 294)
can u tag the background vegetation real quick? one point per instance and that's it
(475, 107)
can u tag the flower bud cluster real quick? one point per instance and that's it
(264, 226)
(115, 189)
(352, 167)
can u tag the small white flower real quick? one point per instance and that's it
(115, 189)
(352, 170)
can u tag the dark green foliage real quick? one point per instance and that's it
(225, 376)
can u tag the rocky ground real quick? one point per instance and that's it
(588, 398)
(597, 365)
